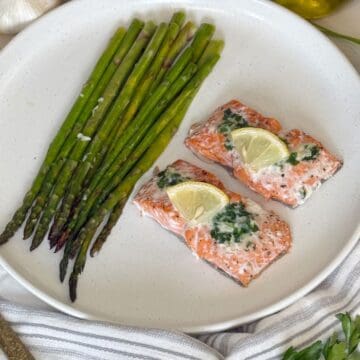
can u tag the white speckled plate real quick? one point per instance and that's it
(274, 62)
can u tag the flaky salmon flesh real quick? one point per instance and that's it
(241, 240)
(291, 181)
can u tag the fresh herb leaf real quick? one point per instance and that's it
(292, 159)
(232, 223)
(168, 177)
(347, 325)
(313, 352)
(338, 352)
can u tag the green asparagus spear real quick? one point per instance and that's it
(143, 165)
(176, 22)
(189, 91)
(184, 36)
(147, 81)
(201, 39)
(106, 230)
(103, 173)
(63, 134)
(214, 47)
(117, 168)
(130, 36)
(132, 152)
(117, 211)
(153, 80)
(91, 124)
(151, 109)
(89, 130)
(107, 126)
(178, 18)
(101, 138)
(125, 187)
(63, 213)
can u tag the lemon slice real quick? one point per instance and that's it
(259, 148)
(197, 201)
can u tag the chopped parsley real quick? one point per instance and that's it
(311, 152)
(169, 177)
(292, 159)
(230, 122)
(232, 223)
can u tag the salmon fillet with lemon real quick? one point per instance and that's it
(286, 166)
(229, 231)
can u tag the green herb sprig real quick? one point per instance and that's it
(334, 348)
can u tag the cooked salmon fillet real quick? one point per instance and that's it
(292, 181)
(242, 258)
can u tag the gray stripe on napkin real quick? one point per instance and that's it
(102, 337)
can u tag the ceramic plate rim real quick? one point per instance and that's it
(218, 326)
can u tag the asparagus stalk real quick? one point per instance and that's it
(125, 187)
(117, 211)
(106, 230)
(101, 139)
(79, 215)
(90, 128)
(176, 22)
(118, 169)
(191, 88)
(144, 137)
(148, 80)
(184, 36)
(151, 110)
(63, 135)
(214, 47)
(63, 213)
(106, 127)
(134, 29)
(123, 190)
(201, 41)
(178, 18)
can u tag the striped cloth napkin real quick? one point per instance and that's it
(51, 335)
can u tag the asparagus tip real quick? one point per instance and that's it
(63, 267)
(93, 252)
(58, 247)
(33, 246)
(73, 286)
(27, 232)
(4, 237)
